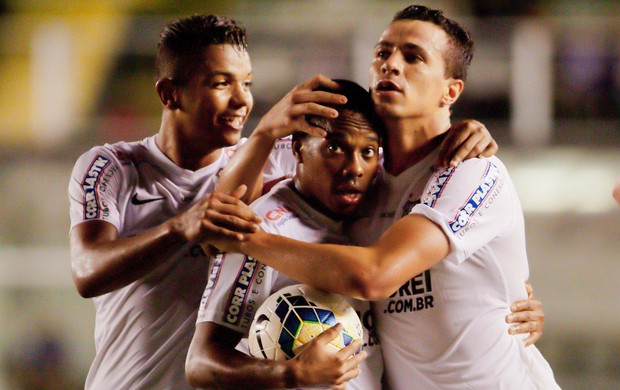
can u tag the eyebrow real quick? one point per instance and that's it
(406, 46)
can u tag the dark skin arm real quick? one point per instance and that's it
(102, 262)
(213, 361)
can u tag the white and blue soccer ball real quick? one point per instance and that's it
(294, 315)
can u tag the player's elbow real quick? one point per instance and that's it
(372, 285)
(85, 286)
(197, 373)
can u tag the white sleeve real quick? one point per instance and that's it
(94, 187)
(236, 286)
(281, 162)
(472, 203)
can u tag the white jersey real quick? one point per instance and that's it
(238, 284)
(445, 328)
(143, 330)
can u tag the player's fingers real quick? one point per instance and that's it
(222, 205)
(533, 338)
(215, 222)
(354, 348)
(529, 289)
(319, 80)
(475, 144)
(313, 96)
(239, 191)
(312, 108)
(330, 334)
(490, 150)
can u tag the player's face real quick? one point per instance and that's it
(217, 101)
(407, 74)
(334, 173)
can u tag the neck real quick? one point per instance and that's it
(410, 140)
(184, 151)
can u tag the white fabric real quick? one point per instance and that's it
(238, 284)
(445, 328)
(143, 331)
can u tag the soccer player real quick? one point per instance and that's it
(443, 251)
(139, 209)
(333, 174)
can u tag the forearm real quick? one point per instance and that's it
(347, 270)
(105, 264)
(229, 368)
(247, 164)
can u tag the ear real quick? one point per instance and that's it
(167, 93)
(297, 150)
(453, 91)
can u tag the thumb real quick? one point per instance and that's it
(239, 191)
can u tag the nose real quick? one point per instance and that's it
(353, 166)
(241, 96)
(392, 64)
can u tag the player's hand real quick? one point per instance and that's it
(465, 140)
(288, 115)
(527, 317)
(217, 215)
(318, 364)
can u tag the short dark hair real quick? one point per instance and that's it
(182, 43)
(359, 101)
(459, 56)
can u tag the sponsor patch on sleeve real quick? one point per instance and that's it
(90, 187)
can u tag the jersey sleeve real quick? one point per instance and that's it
(94, 187)
(236, 286)
(281, 163)
(472, 204)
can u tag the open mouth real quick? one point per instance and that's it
(236, 122)
(348, 196)
(387, 86)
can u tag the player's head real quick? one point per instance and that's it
(204, 75)
(420, 63)
(334, 173)
(182, 44)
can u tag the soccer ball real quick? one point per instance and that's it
(295, 315)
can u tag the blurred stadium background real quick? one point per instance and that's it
(545, 80)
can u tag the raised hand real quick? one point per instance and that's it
(287, 115)
(465, 140)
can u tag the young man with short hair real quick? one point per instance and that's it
(443, 251)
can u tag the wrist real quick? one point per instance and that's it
(292, 374)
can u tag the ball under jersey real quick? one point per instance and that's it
(445, 328)
(238, 284)
(143, 330)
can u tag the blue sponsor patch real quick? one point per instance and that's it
(437, 187)
(90, 183)
(469, 208)
(235, 305)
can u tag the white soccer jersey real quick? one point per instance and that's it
(445, 328)
(238, 284)
(143, 330)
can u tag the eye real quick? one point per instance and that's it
(412, 58)
(334, 148)
(220, 84)
(369, 152)
(383, 53)
(247, 84)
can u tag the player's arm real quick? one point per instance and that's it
(407, 248)
(285, 117)
(213, 361)
(466, 140)
(102, 262)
